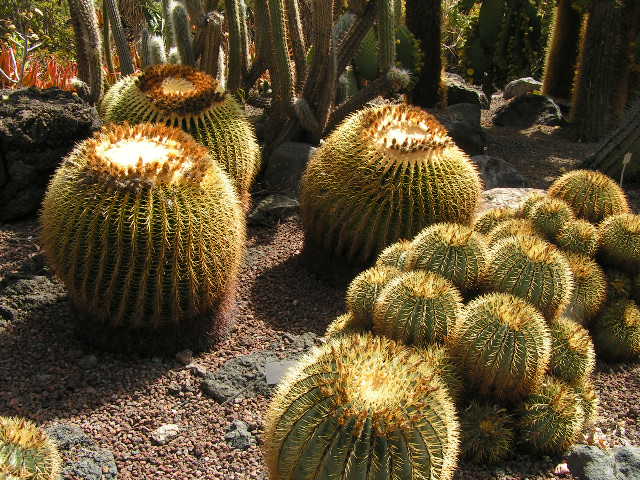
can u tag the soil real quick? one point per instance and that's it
(49, 376)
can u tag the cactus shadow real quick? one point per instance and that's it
(45, 371)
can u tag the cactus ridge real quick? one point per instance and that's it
(532, 269)
(589, 289)
(503, 345)
(26, 451)
(363, 291)
(384, 174)
(395, 254)
(508, 228)
(361, 405)
(549, 215)
(454, 251)
(620, 241)
(592, 195)
(578, 236)
(616, 332)
(529, 202)
(551, 420)
(417, 308)
(492, 218)
(573, 357)
(487, 433)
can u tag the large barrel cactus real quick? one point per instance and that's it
(361, 407)
(26, 451)
(508, 228)
(147, 234)
(592, 195)
(384, 174)
(395, 254)
(417, 308)
(532, 269)
(578, 236)
(454, 251)
(180, 96)
(549, 215)
(503, 345)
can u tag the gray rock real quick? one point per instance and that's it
(68, 436)
(521, 86)
(238, 435)
(275, 371)
(286, 166)
(462, 121)
(497, 172)
(459, 91)
(587, 462)
(38, 128)
(505, 197)
(273, 208)
(527, 110)
(627, 463)
(165, 433)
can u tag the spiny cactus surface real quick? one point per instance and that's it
(395, 254)
(578, 236)
(487, 433)
(616, 331)
(620, 241)
(492, 217)
(549, 215)
(508, 228)
(363, 291)
(573, 357)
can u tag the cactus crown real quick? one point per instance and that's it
(537, 250)
(145, 154)
(179, 89)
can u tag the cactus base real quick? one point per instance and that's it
(329, 267)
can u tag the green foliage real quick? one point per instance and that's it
(616, 331)
(487, 433)
(573, 357)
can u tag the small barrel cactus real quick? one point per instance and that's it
(454, 251)
(508, 228)
(573, 357)
(440, 360)
(489, 219)
(26, 451)
(529, 202)
(551, 419)
(549, 215)
(502, 344)
(147, 234)
(180, 96)
(395, 254)
(620, 241)
(344, 323)
(589, 289)
(487, 433)
(578, 236)
(417, 308)
(363, 291)
(384, 174)
(589, 401)
(616, 331)
(361, 406)
(619, 284)
(532, 269)
(592, 195)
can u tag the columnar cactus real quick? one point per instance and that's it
(578, 236)
(487, 433)
(363, 291)
(162, 238)
(417, 308)
(492, 217)
(552, 418)
(503, 345)
(592, 195)
(384, 174)
(361, 406)
(395, 254)
(454, 251)
(183, 97)
(573, 357)
(620, 241)
(26, 451)
(531, 269)
(616, 331)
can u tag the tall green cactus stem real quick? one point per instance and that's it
(167, 28)
(384, 174)
(182, 33)
(551, 420)
(106, 41)
(395, 254)
(126, 62)
(298, 43)
(592, 195)
(620, 241)
(487, 433)
(88, 46)
(387, 34)
(363, 291)
(489, 219)
(562, 51)
(616, 331)
(573, 357)
(351, 41)
(361, 406)
(454, 251)
(578, 236)
(532, 269)
(232, 15)
(26, 451)
(589, 289)
(417, 308)
(213, 36)
(244, 33)
(283, 70)
(508, 228)
(503, 346)
(163, 234)
(549, 215)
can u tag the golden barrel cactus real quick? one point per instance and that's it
(147, 234)
(363, 291)
(180, 96)
(589, 289)
(384, 174)
(487, 220)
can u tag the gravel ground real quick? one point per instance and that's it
(46, 375)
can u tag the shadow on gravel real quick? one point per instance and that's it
(45, 372)
(289, 297)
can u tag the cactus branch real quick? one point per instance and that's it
(297, 42)
(182, 33)
(387, 34)
(281, 71)
(350, 42)
(126, 63)
(232, 15)
(213, 40)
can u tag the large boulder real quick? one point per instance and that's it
(38, 128)
(462, 121)
(497, 172)
(527, 110)
(521, 86)
(459, 91)
(286, 166)
(505, 197)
